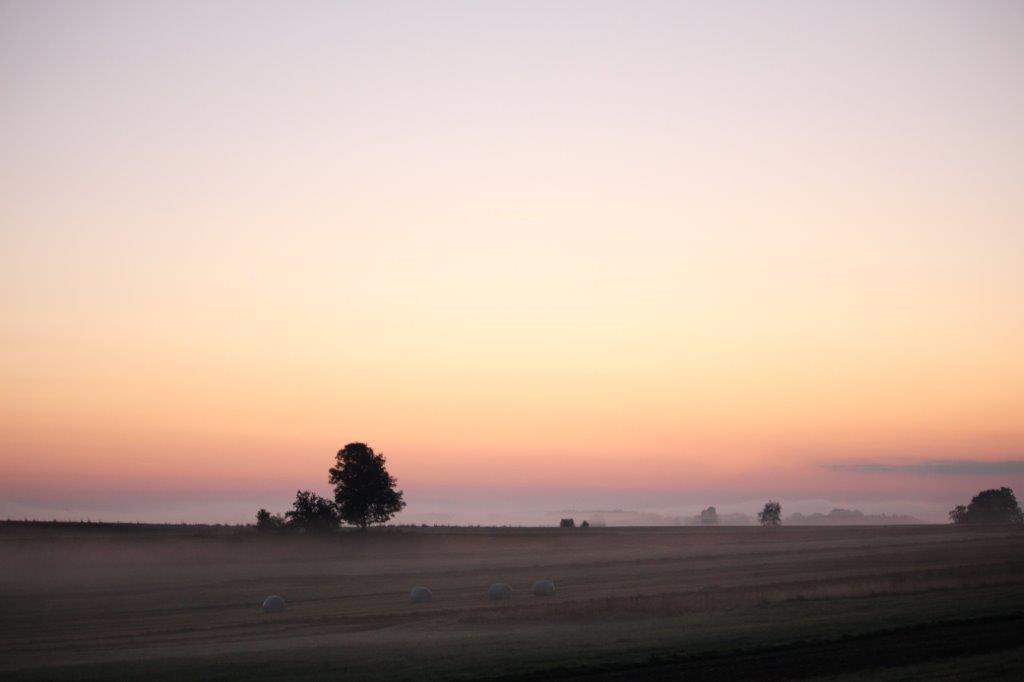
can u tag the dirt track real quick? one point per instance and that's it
(152, 602)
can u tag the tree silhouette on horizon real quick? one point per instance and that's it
(364, 491)
(998, 505)
(771, 515)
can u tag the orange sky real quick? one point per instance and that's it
(510, 246)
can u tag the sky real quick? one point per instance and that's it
(542, 255)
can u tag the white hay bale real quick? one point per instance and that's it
(273, 604)
(543, 588)
(420, 595)
(499, 591)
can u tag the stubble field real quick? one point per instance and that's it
(101, 602)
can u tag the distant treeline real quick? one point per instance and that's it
(711, 517)
(114, 525)
(850, 517)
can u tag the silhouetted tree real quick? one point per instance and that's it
(989, 506)
(958, 514)
(771, 515)
(585, 524)
(363, 489)
(267, 521)
(312, 512)
(567, 523)
(709, 517)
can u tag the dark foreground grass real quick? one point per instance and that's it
(801, 639)
(867, 654)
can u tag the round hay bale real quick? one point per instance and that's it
(273, 604)
(420, 595)
(499, 592)
(543, 588)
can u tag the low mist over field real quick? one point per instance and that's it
(459, 508)
(166, 603)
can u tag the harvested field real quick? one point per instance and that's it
(91, 602)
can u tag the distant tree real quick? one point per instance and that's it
(989, 507)
(364, 491)
(567, 523)
(771, 515)
(312, 512)
(958, 514)
(267, 521)
(585, 524)
(709, 517)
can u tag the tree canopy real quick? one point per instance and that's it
(267, 521)
(312, 512)
(709, 517)
(988, 507)
(771, 515)
(364, 491)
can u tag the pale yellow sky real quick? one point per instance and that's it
(729, 242)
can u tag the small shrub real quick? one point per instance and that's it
(265, 521)
(311, 512)
(771, 515)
